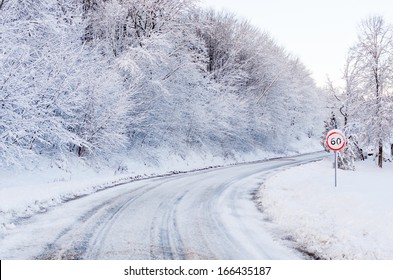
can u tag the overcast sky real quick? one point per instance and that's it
(318, 32)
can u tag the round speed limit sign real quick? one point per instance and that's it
(335, 140)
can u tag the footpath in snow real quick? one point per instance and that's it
(352, 221)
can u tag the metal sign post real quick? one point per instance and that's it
(335, 141)
(335, 169)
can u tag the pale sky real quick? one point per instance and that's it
(318, 32)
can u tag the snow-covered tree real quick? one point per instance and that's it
(249, 64)
(365, 100)
(344, 101)
(374, 62)
(58, 96)
(329, 124)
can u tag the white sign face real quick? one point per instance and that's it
(335, 140)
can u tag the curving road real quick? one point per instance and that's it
(206, 214)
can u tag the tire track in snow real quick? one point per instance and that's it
(74, 241)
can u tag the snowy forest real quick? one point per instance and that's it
(92, 79)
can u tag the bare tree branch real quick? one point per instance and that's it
(1, 3)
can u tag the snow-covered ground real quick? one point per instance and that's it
(352, 221)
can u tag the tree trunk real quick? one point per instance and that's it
(380, 155)
(82, 151)
(391, 150)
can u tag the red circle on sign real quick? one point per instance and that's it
(335, 140)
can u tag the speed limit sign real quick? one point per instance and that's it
(335, 140)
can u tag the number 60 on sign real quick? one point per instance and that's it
(335, 140)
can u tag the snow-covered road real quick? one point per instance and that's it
(207, 214)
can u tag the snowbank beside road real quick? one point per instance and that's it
(352, 221)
